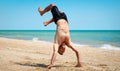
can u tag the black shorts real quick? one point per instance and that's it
(57, 14)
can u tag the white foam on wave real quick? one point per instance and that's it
(109, 47)
(35, 39)
(79, 45)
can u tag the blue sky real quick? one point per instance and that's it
(82, 14)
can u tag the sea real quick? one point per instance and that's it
(105, 39)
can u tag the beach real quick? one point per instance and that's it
(26, 55)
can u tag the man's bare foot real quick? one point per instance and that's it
(40, 11)
(61, 50)
(49, 67)
(45, 23)
(78, 65)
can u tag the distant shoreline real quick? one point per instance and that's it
(70, 30)
(101, 39)
(105, 46)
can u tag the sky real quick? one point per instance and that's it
(81, 14)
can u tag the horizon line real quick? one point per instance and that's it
(55, 30)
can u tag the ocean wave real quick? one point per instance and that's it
(35, 39)
(109, 47)
(79, 45)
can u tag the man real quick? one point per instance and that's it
(62, 36)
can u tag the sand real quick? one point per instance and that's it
(24, 55)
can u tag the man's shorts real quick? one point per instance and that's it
(57, 14)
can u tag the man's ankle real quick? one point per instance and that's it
(40, 11)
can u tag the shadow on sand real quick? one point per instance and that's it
(32, 65)
(39, 65)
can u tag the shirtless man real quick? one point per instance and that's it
(62, 36)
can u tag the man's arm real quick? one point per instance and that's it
(48, 22)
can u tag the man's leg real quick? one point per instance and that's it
(76, 52)
(48, 22)
(48, 8)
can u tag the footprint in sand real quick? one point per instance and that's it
(102, 65)
(27, 58)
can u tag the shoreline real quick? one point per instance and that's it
(17, 55)
(96, 38)
(103, 46)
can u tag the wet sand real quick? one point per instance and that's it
(24, 55)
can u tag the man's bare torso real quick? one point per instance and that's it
(62, 25)
(62, 32)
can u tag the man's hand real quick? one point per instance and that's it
(48, 22)
(45, 23)
(49, 66)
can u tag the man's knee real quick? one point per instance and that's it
(73, 48)
(52, 4)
